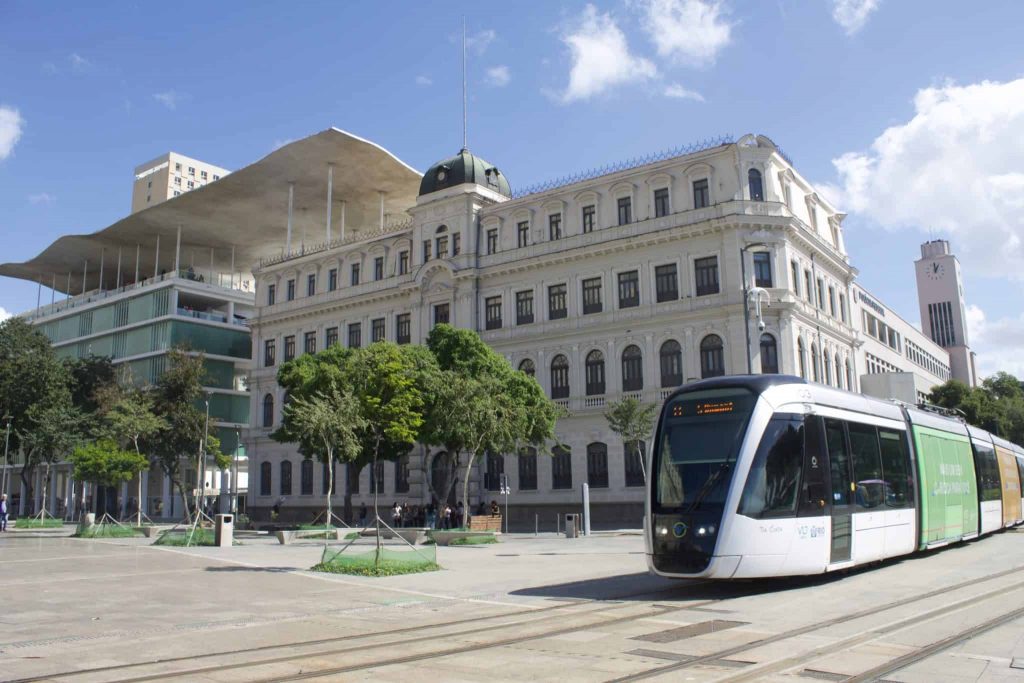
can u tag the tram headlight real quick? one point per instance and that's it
(663, 531)
(706, 530)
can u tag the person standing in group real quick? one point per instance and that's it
(396, 515)
(431, 516)
(3, 512)
(447, 516)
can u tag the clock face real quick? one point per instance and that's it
(935, 270)
(442, 175)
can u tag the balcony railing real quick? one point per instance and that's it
(361, 236)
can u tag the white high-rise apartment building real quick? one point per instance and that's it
(170, 175)
(940, 292)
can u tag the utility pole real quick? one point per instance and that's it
(746, 307)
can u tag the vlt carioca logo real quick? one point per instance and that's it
(680, 529)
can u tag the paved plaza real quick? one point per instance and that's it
(529, 608)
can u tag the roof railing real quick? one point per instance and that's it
(305, 250)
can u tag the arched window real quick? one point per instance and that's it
(597, 465)
(559, 377)
(815, 362)
(286, 478)
(266, 472)
(635, 452)
(839, 372)
(801, 352)
(712, 357)
(561, 468)
(755, 184)
(441, 241)
(441, 228)
(828, 369)
(769, 354)
(595, 373)
(671, 356)
(268, 411)
(527, 367)
(306, 478)
(632, 369)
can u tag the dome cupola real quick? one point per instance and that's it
(463, 168)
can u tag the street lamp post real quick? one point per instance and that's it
(234, 474)
(505, 490)
(746, 308)
(7, 443)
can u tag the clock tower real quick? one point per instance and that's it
(940, 294)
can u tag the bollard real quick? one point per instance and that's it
(536, 524)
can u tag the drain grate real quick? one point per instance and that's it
(671, 635)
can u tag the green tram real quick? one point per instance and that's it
(769, 475)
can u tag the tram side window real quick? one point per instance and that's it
(839, 462)
(896, 468)
(867, 466)
(774, 478)
(989, 486)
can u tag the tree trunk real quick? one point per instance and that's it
(465, 491)
(330, 492)
(348, 490)
(27, 473)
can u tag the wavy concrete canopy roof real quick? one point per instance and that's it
(247, 210)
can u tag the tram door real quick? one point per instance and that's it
(842, 491)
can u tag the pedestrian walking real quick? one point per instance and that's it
(3, 512)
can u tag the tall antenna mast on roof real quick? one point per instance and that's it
(465, 106)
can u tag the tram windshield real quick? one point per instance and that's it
(701, 436)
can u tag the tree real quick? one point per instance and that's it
(327, 424)
(104, 463)
(91, 381)
(50, 432)
(633, 421)
(996, 406)
(130, 420)
(184, 434)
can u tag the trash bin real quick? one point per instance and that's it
(224, 530)
(572, 525)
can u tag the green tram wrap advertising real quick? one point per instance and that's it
(948, 486)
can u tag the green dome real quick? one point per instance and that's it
(462, 168)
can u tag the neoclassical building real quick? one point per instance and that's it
(627, 282)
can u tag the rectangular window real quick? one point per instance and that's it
(403, 262)
(523, 234)
(290, 293)
(331, 337)
(332, 279)
(589, 214)
(355, 274)
(821, 294)
(524, 307)
(441, 244)
(378, 268)
(528, 470)
(426, 250)
(191, 184)
(311, 285)
(355, 335)
(377, 330)
(177, 181)
(492, 240)
(306, 478)
(402, 475)
(492, 312)
(202, 175)
(403, 328)
(555, 226)
(557, 308)
(629, 289)
(867, 466)
(561, 468)
(592, 295)
(289, 348)
(286, 478)
(832, 301)
(666, 282)
(442, 314)
(634, 455)
(661, 207)
(269, 353)
(192, 171)
(309, 342)
(456, 243)
(842, 308)
(271, 294)
(265, 482)
(625, 205)
(701, 197)
(795, 268)
(177, 168)
(762, 269)
(895, 458)
(705, 272)
(808, 287)
(494, 472)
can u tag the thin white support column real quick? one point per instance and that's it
(211, 265)
(381, 210)
(177, 252)
(330, 195)
(291, 201)
(67, 292)
(85, 275)
(53, 289)
(39, 292)
(343, 220)
(232, 285)
(118, 285)
(103, 253)
(156, 261)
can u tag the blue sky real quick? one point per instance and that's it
(907, 112)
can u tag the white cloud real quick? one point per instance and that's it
(479, 42)
(853, 14)
(170, 99)
(4, 314)
(498, 76)
(601, 58)
(954, 168)
(11, 125)
(424, 81)
(42, 198)
(678, 92)
(78, 62)
(688, 31)
(998, 343)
